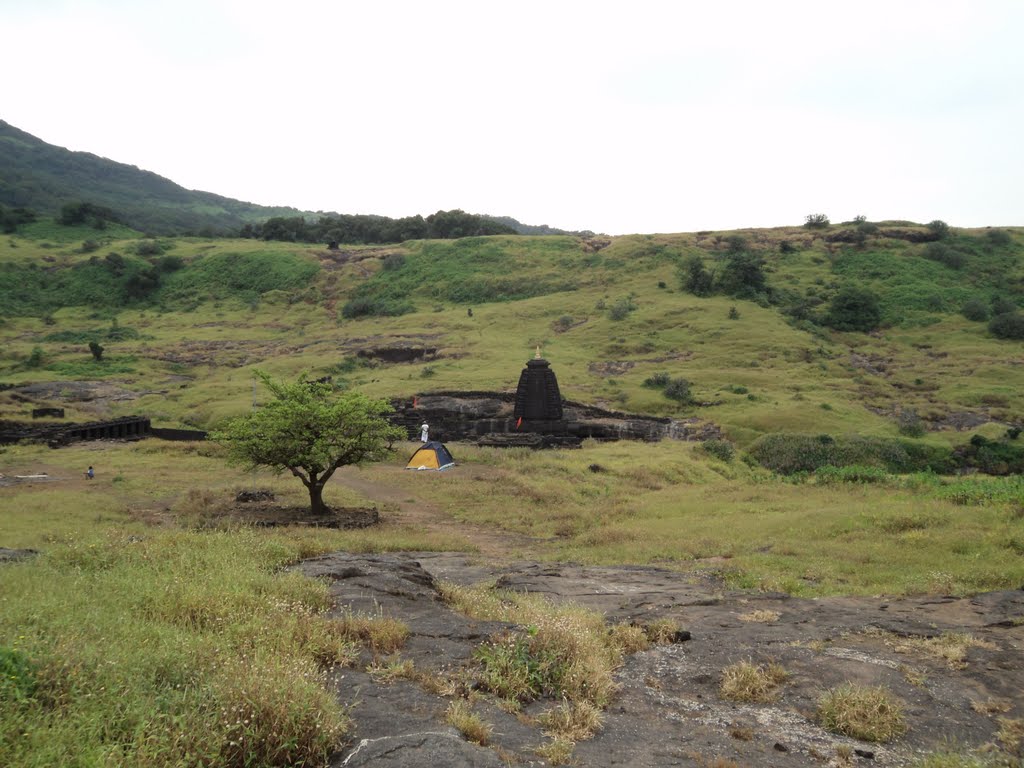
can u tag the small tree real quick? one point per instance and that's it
(695, 277)
(310, 431)
(939, 229)
(97, 350)
(742, 275)
(816, 221)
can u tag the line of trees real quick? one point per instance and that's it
(358, 229)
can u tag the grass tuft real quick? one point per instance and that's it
(862, 712)
(571, 721)
(746, 681)
(473, 728)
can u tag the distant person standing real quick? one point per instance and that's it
(424, 433)
(89, 474)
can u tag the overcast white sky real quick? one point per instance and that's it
(613, 116)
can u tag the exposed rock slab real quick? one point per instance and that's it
(668, 710)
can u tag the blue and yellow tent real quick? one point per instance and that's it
(432, 455)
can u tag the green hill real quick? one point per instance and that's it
(43, 177)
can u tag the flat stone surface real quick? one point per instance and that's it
(668, 710)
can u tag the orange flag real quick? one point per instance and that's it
(519, 422)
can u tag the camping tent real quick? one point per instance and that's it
(432, 455)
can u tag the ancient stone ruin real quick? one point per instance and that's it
(535, 415)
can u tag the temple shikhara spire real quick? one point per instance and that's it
(537, 396)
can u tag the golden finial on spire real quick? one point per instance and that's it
(536, 355)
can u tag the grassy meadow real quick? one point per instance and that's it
(143, 635)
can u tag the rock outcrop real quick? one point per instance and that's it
(669, 711)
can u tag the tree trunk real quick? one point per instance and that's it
(316, 499)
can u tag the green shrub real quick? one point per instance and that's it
(854, 309)
(620, 309)
(975, 309)
(1001, 305)
(393, 262)
(657, 380)
(149, 248)
(1008, 325)
(816, 221)
(742, 275)
(993, 457)
(170, 263)
(998, 237)
(939, 229)
(720, 449)
(788, 453)
(678, 390)
(35, 360)
(695, 277)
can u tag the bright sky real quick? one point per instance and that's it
(618, 116)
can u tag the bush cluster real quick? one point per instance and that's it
(1007, 325)
(789, 453)
(993, 457)
(677, 389)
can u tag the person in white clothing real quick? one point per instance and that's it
(423, 433)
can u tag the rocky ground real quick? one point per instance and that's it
(668, 711)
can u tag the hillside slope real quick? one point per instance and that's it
(44, 177)
(185, 321)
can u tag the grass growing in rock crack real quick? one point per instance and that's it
(380, 634)
(474, 728)
(863, 712)
(391, 669)
(560, 651)
(556, 751)
(571, 721)
(746, 681)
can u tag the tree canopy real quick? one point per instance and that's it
(309, 430)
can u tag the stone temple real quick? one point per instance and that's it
(537, 396)
(535, 416)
